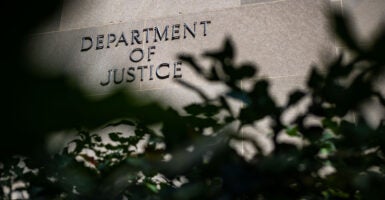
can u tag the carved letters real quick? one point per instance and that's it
(138, 53)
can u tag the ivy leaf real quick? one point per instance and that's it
(152, 187)
(329, 123)
(292, 131)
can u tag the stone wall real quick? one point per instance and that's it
(283, 37)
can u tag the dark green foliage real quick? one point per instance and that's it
(198, 150)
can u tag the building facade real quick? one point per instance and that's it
(135, 44)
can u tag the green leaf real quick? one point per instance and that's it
(330, 124)
(152, 187)
(292, 131)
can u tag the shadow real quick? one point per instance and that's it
(196, 160)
